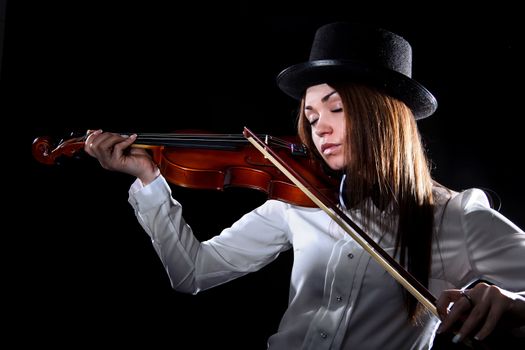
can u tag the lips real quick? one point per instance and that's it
(329, 148)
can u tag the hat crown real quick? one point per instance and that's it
(345, 52)
(374, 47)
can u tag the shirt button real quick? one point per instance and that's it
(323, 335)
(350, 255)
(339, 299)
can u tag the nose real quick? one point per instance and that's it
(323, 127)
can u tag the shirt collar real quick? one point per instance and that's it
(341, 192)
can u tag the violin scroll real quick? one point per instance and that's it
(44, 151)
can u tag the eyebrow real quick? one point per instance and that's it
(324, 99)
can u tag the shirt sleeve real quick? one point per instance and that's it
(249, 244)
(495, 245)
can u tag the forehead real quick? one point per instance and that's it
(316, 93)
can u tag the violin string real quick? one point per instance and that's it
(235, 138)
(190, 137)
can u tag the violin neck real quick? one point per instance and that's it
(213, 141)
(221, 141)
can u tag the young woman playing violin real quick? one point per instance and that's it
(359, 107)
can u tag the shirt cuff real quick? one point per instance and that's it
(144, 198)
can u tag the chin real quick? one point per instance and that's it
(336, 166)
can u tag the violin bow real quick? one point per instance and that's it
(397, 271)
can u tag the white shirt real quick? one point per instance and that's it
(340, 297)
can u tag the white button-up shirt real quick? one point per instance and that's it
(340, 297)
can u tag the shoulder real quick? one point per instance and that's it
(468, 205)
(466, 201)
(471, 210)
(458, 213)
(472, 200)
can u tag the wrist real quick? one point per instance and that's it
(149, 176)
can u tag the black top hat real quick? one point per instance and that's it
(372, 56)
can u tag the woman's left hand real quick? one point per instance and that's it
(479, 309)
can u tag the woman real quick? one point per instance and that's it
(359, 107)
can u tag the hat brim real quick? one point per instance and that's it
(296, 79)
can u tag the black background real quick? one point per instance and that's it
(84, 271)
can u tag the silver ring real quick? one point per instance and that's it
(468, 297)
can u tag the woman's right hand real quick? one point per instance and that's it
(113, 152)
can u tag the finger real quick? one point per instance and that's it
(105, 143)
(444, 300)
(457, 312)
(109, 150)
(102, 148)
(491, 321)
(443, 307)
(473, 321)
(495, 311)
(113, 146)
(88, 143)
(128, 141)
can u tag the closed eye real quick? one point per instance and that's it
(313, 121)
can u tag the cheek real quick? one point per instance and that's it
(317, 143)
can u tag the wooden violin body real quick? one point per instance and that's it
(212, 161)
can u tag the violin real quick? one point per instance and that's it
(216, 162)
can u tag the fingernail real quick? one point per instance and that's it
(456, 338)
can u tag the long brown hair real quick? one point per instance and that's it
(386, 162)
